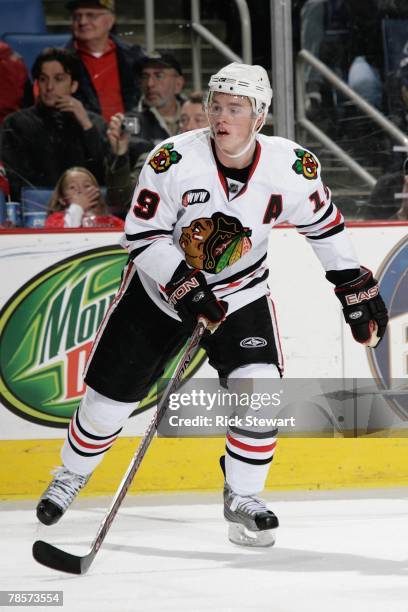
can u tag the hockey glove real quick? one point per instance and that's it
(191, 297)
(363, 307)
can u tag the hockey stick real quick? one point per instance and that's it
(58, 559)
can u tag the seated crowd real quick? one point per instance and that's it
(98, 107)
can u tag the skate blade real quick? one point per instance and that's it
(239, 534)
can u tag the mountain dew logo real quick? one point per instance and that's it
(47, 329)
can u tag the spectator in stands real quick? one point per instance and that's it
(156, 117)
(107, 84)
(42, 141)
(4, 182)
(158, 111)
(192, 113)
(389, 198)
(77, 202)
(398, 95)
(13, 76)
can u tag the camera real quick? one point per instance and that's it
(131, 125)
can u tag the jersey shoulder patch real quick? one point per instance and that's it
(306, 164)
(165, 157)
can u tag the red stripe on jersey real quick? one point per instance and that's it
(223, 181)
(333, 223)
(252, 170)
(85, 444)
(249, 447)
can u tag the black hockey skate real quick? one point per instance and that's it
(59, 494)
(251, 523)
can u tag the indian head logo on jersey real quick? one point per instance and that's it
(306, 164)
(213, 243)
(164, 158)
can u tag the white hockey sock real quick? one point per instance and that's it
(93, 429)
(249, 451)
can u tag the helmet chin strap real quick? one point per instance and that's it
(249, 144)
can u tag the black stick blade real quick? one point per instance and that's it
(58, 559)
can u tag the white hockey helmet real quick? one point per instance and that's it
(243, 80)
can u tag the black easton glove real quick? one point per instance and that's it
(190, 295)
(363, 307)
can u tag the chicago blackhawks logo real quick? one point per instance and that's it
(164, 158)
(306, 164)
(213, 243)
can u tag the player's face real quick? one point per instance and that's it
(193, 239)
(192, 117)
(160, 85)
(232, 121)
(91, 24)
(54, 82)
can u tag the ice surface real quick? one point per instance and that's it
(339, 552)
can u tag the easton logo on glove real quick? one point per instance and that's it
(190, 295)
(182, 290)
(363, 307)
(357, 298)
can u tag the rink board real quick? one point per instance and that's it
(315, 342)
(192, 464)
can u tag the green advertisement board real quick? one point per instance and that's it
(47, 328)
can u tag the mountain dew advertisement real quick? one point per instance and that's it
(47, 328)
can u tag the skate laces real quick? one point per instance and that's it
(65, 486)
(249, 504)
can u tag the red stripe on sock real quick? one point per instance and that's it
(84, 444)
(248, 447)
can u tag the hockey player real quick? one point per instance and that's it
(197, 235)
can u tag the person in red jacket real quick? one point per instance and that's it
(107, 84)
(13, 75)
(77, 202)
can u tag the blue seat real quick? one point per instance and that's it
(35, 205)
(21, 16)
(30, 45)
(2, 208)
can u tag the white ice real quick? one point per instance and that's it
(335, 552)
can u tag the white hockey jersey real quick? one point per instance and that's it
(184, 208)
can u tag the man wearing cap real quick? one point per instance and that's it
(157, 116)
(107, 84)
(161, 81)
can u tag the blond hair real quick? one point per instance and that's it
(55, 204)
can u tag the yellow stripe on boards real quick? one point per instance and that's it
(191, 464)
